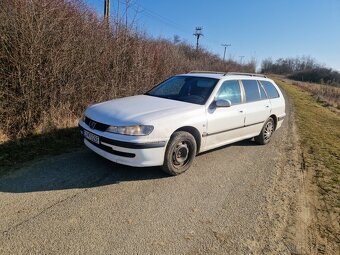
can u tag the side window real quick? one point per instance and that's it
(270, 89)
(230, 90)
(262, 92)
(251, 90)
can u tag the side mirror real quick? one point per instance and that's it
(222, 103)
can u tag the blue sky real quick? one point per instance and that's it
(254, 28)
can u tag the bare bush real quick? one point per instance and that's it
(328, 95)
(57, 57)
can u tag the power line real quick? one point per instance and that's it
(154, 15)
(161, 18)
(143, 10)
(241, 59)
(165, 19)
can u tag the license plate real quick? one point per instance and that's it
(92, 137)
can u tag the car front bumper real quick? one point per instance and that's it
(138, 154)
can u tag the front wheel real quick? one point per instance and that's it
(179, 153)
(266, 132)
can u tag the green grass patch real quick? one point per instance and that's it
(13, 154)
(319, 131)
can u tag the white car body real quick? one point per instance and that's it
(211, 127)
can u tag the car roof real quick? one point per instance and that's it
(228, 75)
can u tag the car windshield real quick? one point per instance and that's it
(190, 89)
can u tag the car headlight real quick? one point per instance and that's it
(131, 130)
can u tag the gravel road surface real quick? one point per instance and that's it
(240, 199)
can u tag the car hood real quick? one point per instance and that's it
(133, 110)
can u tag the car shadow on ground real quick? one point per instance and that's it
(80, 169)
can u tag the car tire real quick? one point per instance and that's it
(266, 132)
(180, 153)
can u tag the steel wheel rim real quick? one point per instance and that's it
(180, 155)
(268, 130)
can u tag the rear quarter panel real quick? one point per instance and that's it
(278, 105)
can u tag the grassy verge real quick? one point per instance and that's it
(14, 154)
(319, 132)
(320, 135)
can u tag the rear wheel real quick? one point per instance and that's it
(266, 132)
(179, 153)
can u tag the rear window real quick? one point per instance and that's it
(270, 89)
(251, 90)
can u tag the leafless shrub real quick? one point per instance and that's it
(57, 57)
(328, 95)
(296, 83)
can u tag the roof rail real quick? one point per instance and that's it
(212, 72)
(230, 73)
(247, 74)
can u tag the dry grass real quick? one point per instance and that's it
(326, 94)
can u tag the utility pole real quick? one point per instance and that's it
(241, 59)
(126, 13)
(198, 34)
(225, 49)
(106, 12)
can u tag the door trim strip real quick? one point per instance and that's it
(231, 129)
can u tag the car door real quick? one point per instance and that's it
(257, 107)
(276, 100)
(225, 124)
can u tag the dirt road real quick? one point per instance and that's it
(239, 199)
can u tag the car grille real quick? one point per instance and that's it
(96, 125)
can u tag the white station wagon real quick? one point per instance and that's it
(183, 116)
